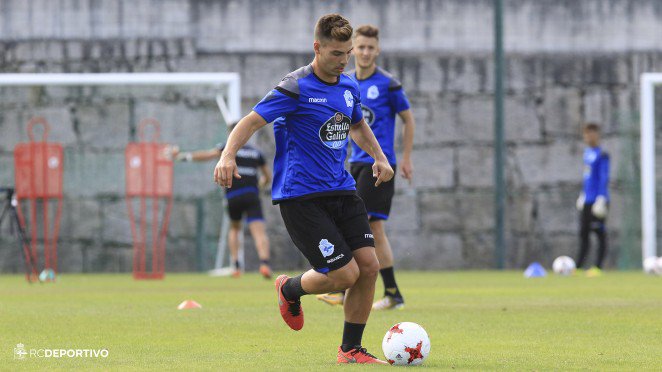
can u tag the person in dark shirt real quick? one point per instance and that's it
(243, 199)
(593, 201)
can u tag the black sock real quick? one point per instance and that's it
(236, 264)
(264, 262)
(390, 287)
(292, 289)
(351, 336)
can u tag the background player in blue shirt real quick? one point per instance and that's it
(243, 199)
(593, 201)
(315, 110)
(382, 98)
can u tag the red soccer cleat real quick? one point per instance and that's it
(291, 311)
(359, 355)
(265, 271)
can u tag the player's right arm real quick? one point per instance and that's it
(200, 155)
(281, 101)
(226, 168)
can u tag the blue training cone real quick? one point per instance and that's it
(535, 270)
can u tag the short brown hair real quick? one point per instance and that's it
(367, 31)
(591, 127)
(333, 27)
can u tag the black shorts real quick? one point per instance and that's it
(327, 229)
(377, 199)
(248, 203)
(589, 222)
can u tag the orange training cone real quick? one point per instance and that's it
(189, 304)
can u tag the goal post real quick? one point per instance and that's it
(226, 85)
(648, 182)
(228, 100)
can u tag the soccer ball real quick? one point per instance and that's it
(406, 344)
(564, 265)
(650, 265)
(47, 275)
(658, 266)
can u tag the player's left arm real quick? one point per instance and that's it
(407, 144)
(599, 208)
(603, 184)
(362, 135)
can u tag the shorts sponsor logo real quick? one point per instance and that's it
(373, 92)
(334, 133)
(334, 259)
(369, 236)
(349, 98)
(368, 114)
(316, 100)
(326, 248)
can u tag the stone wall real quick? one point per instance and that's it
(566, 62)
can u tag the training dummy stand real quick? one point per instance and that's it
(149, 176)
(38, 179)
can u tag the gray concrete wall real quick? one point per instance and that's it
(567, 62)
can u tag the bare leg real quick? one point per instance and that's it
(258, 231)
(313, 282)
(382, 245)
(233, 240)
(358, 298)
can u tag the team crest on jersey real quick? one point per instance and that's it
(373, 92)
(326, 247)
(334, 133)
(349, 98)
(368, 114)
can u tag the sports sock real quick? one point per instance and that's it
(292, 289)
(264, 262)
(236, 264)
(390, 287)
(351, 336)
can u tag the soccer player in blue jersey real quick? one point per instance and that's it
(243, 199)
(593, 202)
(315, 110)
(382, 98)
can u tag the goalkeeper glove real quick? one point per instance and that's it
(599, 208)
(580, 202)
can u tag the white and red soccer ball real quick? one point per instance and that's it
(406, 344)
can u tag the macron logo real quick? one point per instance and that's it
(317, 100)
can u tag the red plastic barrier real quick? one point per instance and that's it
(38, 176)
(149, 176)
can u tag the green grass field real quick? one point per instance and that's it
(476, 320)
